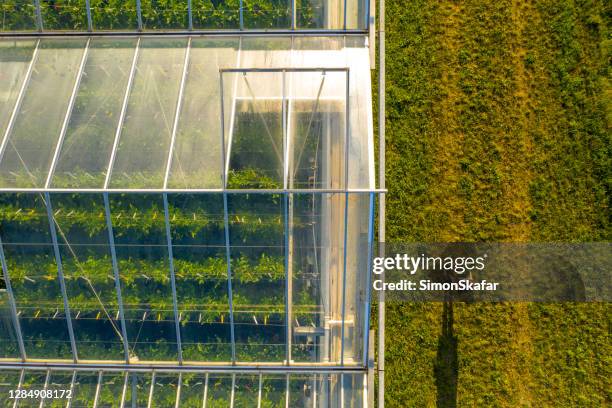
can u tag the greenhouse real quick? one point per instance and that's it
(186, 218)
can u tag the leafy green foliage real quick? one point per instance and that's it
(497, 131)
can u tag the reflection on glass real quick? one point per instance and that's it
(88, 273)
(256, 231)
(87, 145)
(273, 390)
(198, 240)
(64, 15)
(142, 254)
(113, 14)
(31, 264)
(254, 129)
(317, 123)
(142, 152)
(28, 153)
(196, 159)
(15, 57)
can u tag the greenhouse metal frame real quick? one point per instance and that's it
(275, 235)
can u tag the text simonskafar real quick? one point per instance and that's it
(428, 285)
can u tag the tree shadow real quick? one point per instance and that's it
(446, 368)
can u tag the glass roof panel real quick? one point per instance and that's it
(84, 391)
(87, 146)
(196, 159)
(15, 57)
(145, 138)
(155, 120)
(29, 150)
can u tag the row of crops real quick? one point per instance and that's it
(189, 389)
(18, 15)
(198, 243)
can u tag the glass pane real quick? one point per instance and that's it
(32, 269)
(94, 119)
(59, 384)
(327, 14)
(112, 388)
(192, 390)
(246, 391)
(317, 123)
(356, 276)
(164, 392)
(84, 246)
(164, 14)
(84, 391)
(9, 379)
(254, 129)
(145, 137)
(256, 232)
(212, 14)
(28, 153)
(273, 391)
(142, 254)
(15, 57)
(267, 14)
(301, 391)
(316, 257)
(138, 389)
(114, 14)
(32, 380)
(17, 15)
(198, 240)
(64, 15)
(8, 338)
(219, 391)
(196, 159)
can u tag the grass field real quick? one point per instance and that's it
(498, 129)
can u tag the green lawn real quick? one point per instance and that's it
(498, 130)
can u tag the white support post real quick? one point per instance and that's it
(381, 205)
(98, 387)
(233, 391)
(45, 387)
(111, 162)
(150, 401)
(19, 385)
(72, 380)
(259, 390)
(346, 218)
(126, 377)
(62, 135)
(205, 397)
(177, 113)
(177, 404)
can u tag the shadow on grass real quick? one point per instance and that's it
(446, 368)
